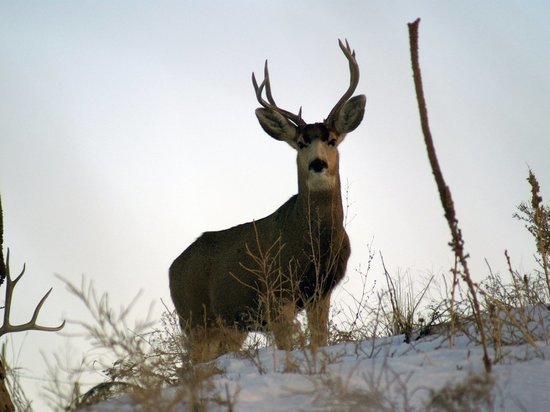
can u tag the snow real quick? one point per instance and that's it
(379, 374)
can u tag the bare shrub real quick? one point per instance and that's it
(405, 304)
(136, 360)
(355, 321)
(537, 218)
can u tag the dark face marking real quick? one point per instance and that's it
(315, 131)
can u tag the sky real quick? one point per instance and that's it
(127, 129)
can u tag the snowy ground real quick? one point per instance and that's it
(381, 375)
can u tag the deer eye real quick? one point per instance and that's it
(332, 142)
(301, 145)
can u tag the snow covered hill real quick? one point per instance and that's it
(384, 374)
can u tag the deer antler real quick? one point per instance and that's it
(354, 81)
(30, 325)
(270, 103)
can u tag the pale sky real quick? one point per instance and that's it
(127, 129)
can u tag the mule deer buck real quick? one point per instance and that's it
(258, 275)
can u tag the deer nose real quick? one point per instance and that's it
(318, 165)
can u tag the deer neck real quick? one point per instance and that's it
(323, 207)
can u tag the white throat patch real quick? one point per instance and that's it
(318, 182)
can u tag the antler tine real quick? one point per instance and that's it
(259, 90)
(30, 325)
(270, 103)
(354, 80)
(268, 86)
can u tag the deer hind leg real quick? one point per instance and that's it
(317, 312)
(207, 343)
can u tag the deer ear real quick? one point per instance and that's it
(277, 126)
(350, 115)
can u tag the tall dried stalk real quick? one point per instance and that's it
(6, 403)
(457, 243)
(2, 261)
(541, 226)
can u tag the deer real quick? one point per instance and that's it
(259, 275)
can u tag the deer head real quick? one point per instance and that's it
(316, 143)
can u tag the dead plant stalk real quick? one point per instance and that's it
(457, 242)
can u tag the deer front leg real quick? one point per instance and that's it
(317, 319)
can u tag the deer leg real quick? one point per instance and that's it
(198, 345)
(207, 343)
(317, 319)
(282, 326)
(233, 339)
(208, 340)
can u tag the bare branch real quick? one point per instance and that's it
(7, 327)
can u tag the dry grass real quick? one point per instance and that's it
(138, 360)
(21, 402)
(353, 322)
(472, 394)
